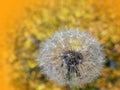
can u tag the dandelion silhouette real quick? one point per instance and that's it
(71, 57)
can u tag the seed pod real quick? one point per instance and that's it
(71, 57)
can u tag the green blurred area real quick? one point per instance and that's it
(42, 21)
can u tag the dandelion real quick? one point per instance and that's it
(71, 57)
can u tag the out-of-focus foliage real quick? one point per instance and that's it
(43, 20)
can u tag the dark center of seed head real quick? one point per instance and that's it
(72, 58)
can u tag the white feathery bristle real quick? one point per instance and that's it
(67, 71)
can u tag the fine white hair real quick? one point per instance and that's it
(55, 67)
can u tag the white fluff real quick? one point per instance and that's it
(83, 42)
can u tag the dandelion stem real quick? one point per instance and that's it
(72, 87)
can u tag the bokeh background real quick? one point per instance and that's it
(25, 24)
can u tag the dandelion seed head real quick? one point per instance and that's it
(71, 57)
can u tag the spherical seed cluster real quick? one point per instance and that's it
(71, 57)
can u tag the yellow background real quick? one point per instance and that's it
(10, 12)
(13, 10)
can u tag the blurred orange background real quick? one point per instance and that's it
(10, 12)
(13, 10)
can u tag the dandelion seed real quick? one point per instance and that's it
(71, 57)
